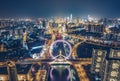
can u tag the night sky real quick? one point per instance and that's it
(46, 8)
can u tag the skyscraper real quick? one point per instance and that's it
(111, 71)
(44, 23)
(71, 17)
(98, 56)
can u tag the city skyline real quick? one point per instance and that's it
(45, 8)
(57, 48)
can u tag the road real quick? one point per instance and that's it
(81, 72)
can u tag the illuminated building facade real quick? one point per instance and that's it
(17, 73)
(44, 23)
(97, 28)
(98, 57)
(106, 67)
(111, 71)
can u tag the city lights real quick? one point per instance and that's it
(59, 40)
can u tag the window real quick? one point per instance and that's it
(97, 70)
(118, 54)
(98, 59)
(112, 53)
(111, 79)
(114, 73)
(99, 53)
(115, 65)
(97, 65)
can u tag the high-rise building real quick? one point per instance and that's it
(98, 56)
(44, 23)
(97, 28)
(114, 53)
(71, 17)
(110, 71)
(106, 66)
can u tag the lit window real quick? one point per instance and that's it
(115, 65)
(1, 78)
(112, 53)
(98, 59)
(98, 65)
(118, 54)
(114, 74)
(97, 70)
(99, 53)
(113, 79)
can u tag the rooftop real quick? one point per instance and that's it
(23, 68)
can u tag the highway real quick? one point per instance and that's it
(81, 72)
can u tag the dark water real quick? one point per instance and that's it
(63, 73)
(59, 75)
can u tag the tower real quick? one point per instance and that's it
(71, 17)
(98, 57)
(44, 23)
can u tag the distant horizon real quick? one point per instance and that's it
(74, 16)
(48, 8)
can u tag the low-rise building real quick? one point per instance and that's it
(3, 74)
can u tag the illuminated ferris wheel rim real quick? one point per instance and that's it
(51, 47)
